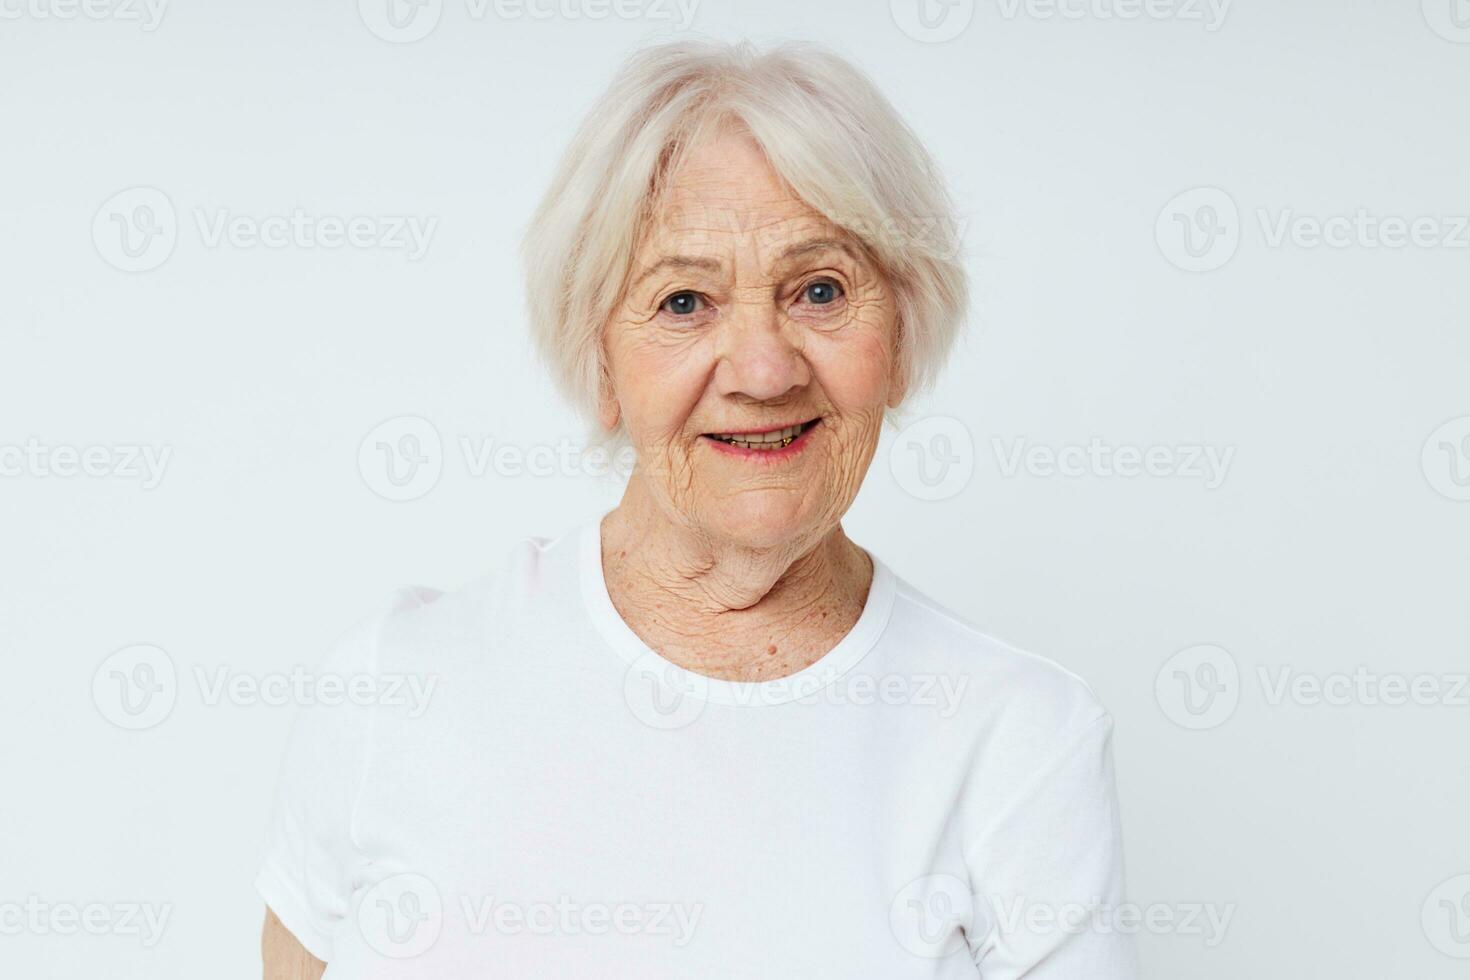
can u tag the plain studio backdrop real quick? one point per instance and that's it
(1207, 440)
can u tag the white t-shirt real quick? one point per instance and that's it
(504, 781)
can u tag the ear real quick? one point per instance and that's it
(608, 410)
(898, 389)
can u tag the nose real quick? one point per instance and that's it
(757, 357)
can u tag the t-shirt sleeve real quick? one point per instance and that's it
(1047, 867)
(311, 855)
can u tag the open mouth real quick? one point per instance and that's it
(765, 440)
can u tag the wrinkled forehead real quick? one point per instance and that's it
(730, 229)
(725, 200)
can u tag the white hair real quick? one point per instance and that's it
(825, 129)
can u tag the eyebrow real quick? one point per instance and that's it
(817, 245)
(796, 250)
(679, 262)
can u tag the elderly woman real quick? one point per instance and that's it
(706, 734)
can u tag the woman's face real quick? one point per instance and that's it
(752, 355)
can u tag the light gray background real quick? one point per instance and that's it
(1338, 538)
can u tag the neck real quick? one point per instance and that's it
(725, 609)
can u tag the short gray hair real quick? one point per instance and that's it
(826, 130)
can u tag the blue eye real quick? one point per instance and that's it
(821, 292)
(682, 304)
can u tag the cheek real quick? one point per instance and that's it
(657, 384)
(855, 363)
(854, 370)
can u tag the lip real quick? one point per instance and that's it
(766, 455)
(769, 428)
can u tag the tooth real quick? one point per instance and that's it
(762, 441)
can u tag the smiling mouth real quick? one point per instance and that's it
(767, 440)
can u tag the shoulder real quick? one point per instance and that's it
(1024, 692)
(411, 622)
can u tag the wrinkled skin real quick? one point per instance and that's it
(732, 569)
(745, 309)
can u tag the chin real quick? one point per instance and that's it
(763, 518)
